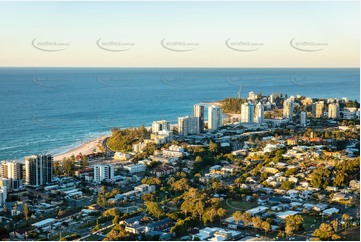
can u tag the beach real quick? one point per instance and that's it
(86, 148)
(227, 116)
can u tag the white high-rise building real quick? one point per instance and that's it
(288, 108)
(333, 110)
(318, 109)
(247, 113)
(102, 172)
(188, 125)
(13, 171)
(259, 113)
(214, 117)
(303, 119)
(272, 98)
(252, 96)
(161, 125)
(198, 112)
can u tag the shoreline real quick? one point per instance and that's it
(85, 148)
(91, 146)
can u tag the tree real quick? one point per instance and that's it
(111, 212)
(346, 218)
(246, 218)
(115, 220)
(209, 215)
(148, 197)
(320, 177)
(68, 165)
(239, 181)
(334, 224)
(325, 232)
(257, 222)
(84, 161)
(237, 216)
(286, 185)
(221, 212)
(340, 179)
(57, 169)
(266, 226)
(154, 209)
(61, 213)
(199, 208)
(293, 224)
(151, 181)
(213, 147)
(198, 159)
(101, 199)
(26, 211)
(180, 185)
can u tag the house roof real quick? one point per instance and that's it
(285, 214)
(160, 222)
(134, 219)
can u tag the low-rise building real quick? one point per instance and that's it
(135, 168)
(44, 223)
(144, 188)
(163, 170)
(257, 210)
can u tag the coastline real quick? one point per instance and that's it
(91, 146)
(230, 116)
(85, 148)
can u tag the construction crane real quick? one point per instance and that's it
(239, 92)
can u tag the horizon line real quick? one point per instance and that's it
(183, 67)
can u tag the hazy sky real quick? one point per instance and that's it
(194, 34)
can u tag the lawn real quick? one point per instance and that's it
(236, 205)
(309, 220)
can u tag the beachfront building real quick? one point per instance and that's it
(102, 172)
(303, 117)
(188, 125)
(162, 125)
(198, 112)
(259, 113)
(333, 110)
(247, 113)
(38, 169)
(214, 117)
(272, 98)
(12, 170)
(317, 109)
(288, 107)
(252, 96)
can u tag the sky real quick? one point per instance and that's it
(180, 34)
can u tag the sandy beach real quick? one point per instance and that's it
(228, 116)
(85, 148)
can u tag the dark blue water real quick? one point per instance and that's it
(54, 109)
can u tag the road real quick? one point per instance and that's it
(92, 233)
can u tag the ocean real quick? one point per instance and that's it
(51, 110)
